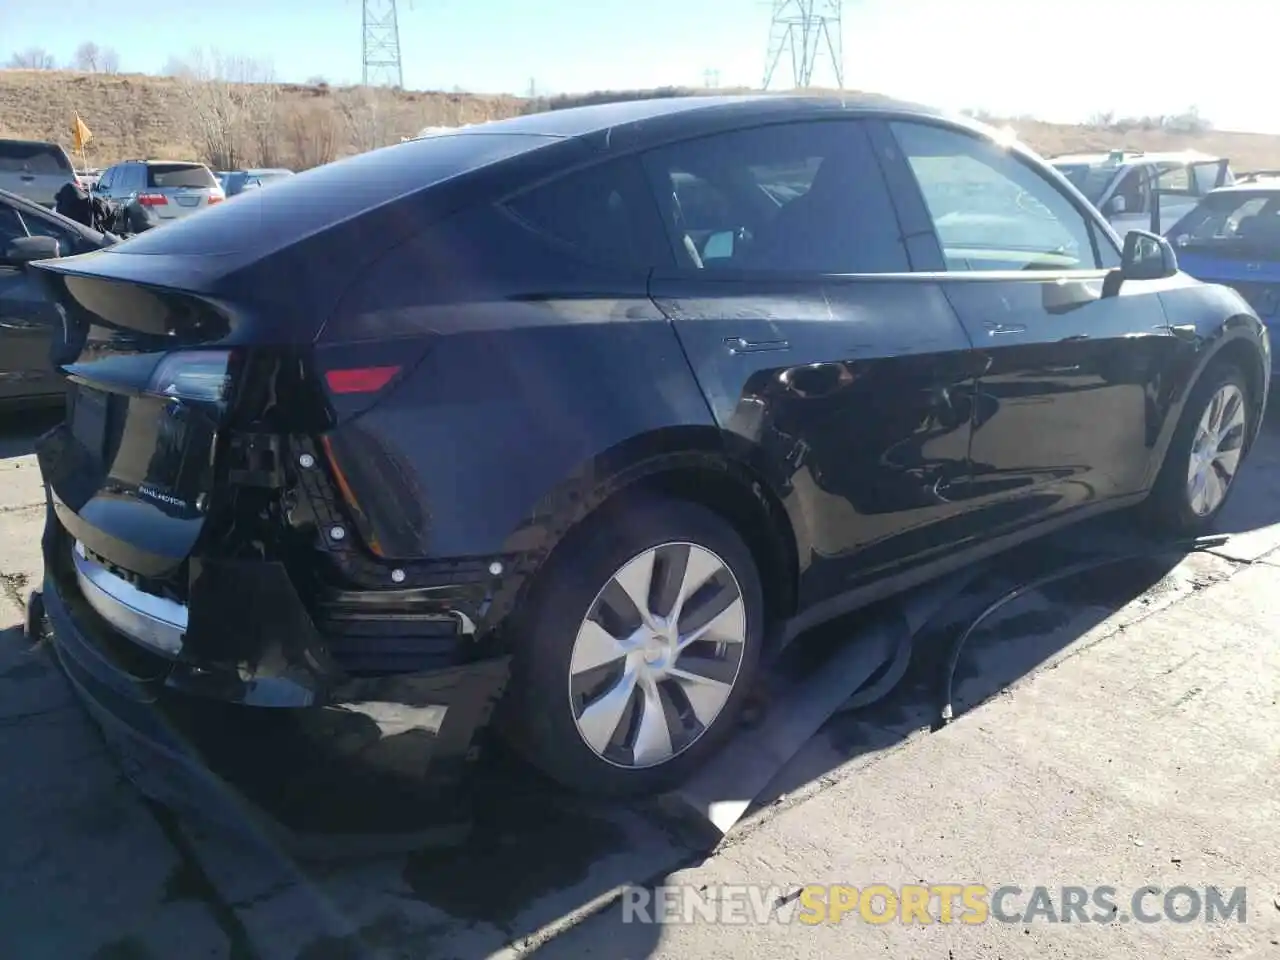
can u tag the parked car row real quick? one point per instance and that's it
(567, 424)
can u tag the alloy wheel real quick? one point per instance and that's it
(657, 656)
(1216, 450)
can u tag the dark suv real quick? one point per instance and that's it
(585, 414)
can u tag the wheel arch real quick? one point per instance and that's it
(697, 464)
(1234, 342)
(1243, 353)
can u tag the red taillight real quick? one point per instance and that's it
(360, 379)
(152, 200)
(215, 198)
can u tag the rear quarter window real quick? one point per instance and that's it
(36, 158)
(322, 197)
(161, 175)
(604, 214)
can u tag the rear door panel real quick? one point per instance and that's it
(861, 417)
(27, 322)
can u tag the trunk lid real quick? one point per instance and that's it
(151, 347)
(162, 333)
(131, 470)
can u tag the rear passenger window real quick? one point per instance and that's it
(602, 213)
(800, 197)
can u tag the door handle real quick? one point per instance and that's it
(743, 345)
(999, 329)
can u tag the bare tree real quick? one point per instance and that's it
(224, 99)
(91, 58)
(369, 122)
(87, 57)
(312, 135)
(33, 58)
(262, 115)
(176, 67)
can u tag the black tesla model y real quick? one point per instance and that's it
(563, 425)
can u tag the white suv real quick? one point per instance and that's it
(1120, 183)
(153, 192)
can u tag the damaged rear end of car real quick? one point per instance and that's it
(213, 586)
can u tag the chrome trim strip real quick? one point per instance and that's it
(150, 620)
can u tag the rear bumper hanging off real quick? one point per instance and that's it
(244, 719)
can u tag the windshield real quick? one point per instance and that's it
(1232, 224)
(1089, 179)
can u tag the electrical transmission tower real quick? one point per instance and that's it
(382, 44)
(802, 29)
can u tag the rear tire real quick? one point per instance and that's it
(613, 695)
(1205, 456)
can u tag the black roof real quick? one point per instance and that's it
(676, 113)
(378, 188)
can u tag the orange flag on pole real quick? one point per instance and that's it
(80, 134)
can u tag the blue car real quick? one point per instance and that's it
(1232, 237)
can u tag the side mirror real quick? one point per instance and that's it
(1115, 206)
(1147, 256)
(29, 249)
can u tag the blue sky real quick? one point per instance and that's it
(1060, 61)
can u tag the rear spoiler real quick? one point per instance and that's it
(1221, 168)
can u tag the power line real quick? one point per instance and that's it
(803, 30)
(381, 32)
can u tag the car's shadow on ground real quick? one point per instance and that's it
(538, 857)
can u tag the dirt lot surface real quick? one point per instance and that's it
(1118, 730)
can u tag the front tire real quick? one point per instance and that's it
(1205, 455)
(634, 655)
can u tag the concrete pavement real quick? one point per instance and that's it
(1121, 730)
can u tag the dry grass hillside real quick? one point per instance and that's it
(229, 124)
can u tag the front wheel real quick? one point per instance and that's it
(633, 660)
(1205, 455)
